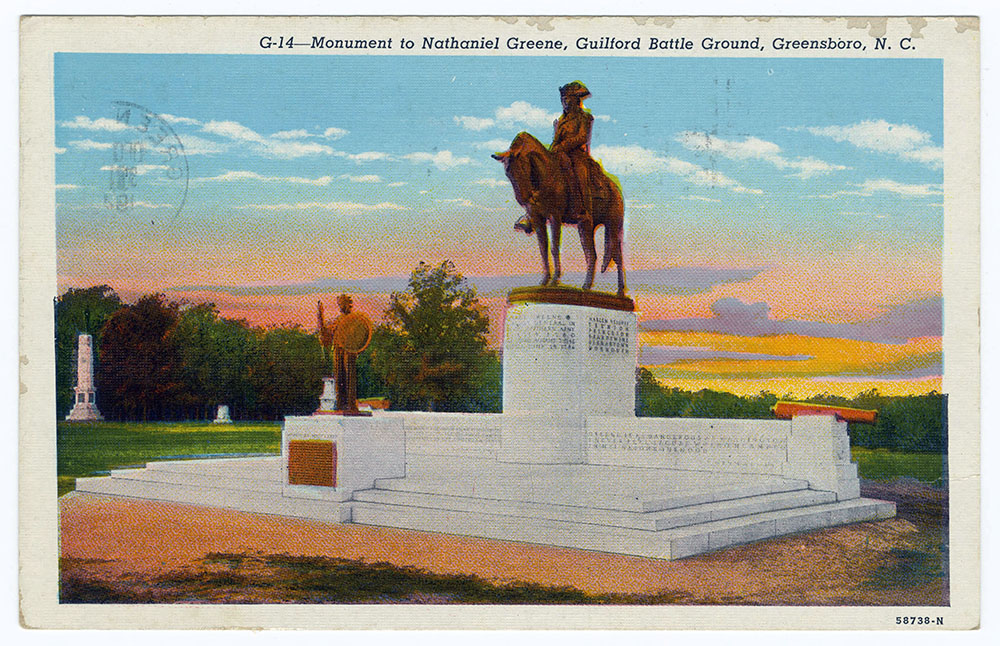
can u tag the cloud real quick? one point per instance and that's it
(362, 179)
(267, 146)
(140, 169)
(368, 156)
(490, 181)
(103, 124)
(520, 112)
(872, 186)
(328, 206)
(674, 280)
(194, 145)
(291, 134)
(903, 140)
(397, 184)
(150, 205)
(66, 187)
(700, 198)
(493, 144)
(243, 175)
(909, 190)
(636, 160)
(687, 280)
(517, 113)
(475, 123)
(59, 150)
(898, 323)
(88, 144)
(469, 204)
(753, 148)
(335, 133)
(175, 120)
(663, 354)
(442, 160)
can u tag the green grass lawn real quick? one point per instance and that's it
(90, 449)
(883, 464)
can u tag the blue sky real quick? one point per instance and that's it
(354, 167)
(763, 196)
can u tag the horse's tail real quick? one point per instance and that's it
(611, 242)
(614, 223)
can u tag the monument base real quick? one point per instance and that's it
(330, 456)
(568, 355)
(85, 412)
(566, 464)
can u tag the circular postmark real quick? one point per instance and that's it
(148, 168)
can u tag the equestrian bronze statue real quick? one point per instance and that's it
(561, 184)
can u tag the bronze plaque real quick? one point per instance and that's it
(312, 462)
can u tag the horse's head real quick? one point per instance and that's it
(521, 144)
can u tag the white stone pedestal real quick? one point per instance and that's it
(819, 451)
(562, 364)
(363, 449)
(222, 415)
(328, 399)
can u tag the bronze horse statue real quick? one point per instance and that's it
(541, 188)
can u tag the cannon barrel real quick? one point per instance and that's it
(787, 410)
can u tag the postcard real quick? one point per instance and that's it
(499, 322)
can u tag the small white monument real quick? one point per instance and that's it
(222, 415)
(85, 394)
(328, 399)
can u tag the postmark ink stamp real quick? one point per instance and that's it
(147, 166)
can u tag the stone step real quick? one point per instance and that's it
(255, 468)
(649, 521)
(197, 479)
(717, 535)
(226, 498)
(666, 544)
(594, 492)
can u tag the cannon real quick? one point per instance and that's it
(788, 410)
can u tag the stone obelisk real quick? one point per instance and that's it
(85, 394)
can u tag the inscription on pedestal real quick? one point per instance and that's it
(608, 335)
(683, 443)
(547, 332)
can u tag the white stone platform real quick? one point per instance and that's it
(567, 463)
(659, 513)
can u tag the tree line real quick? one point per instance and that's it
(163, 360)
(159, 359)
(907, 423)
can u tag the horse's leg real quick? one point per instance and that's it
(543, 247)
(556, 236)
(621, 265)
(589, 252)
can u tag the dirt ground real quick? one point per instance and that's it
(121, 550)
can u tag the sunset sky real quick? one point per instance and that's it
(783, 216)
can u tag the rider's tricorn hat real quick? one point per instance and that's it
(576, 88)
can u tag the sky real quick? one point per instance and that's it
(783, 216)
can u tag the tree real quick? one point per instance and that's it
(78, 311)
(287, 372)
(139, 370)
(431, 351)
(215, 355)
